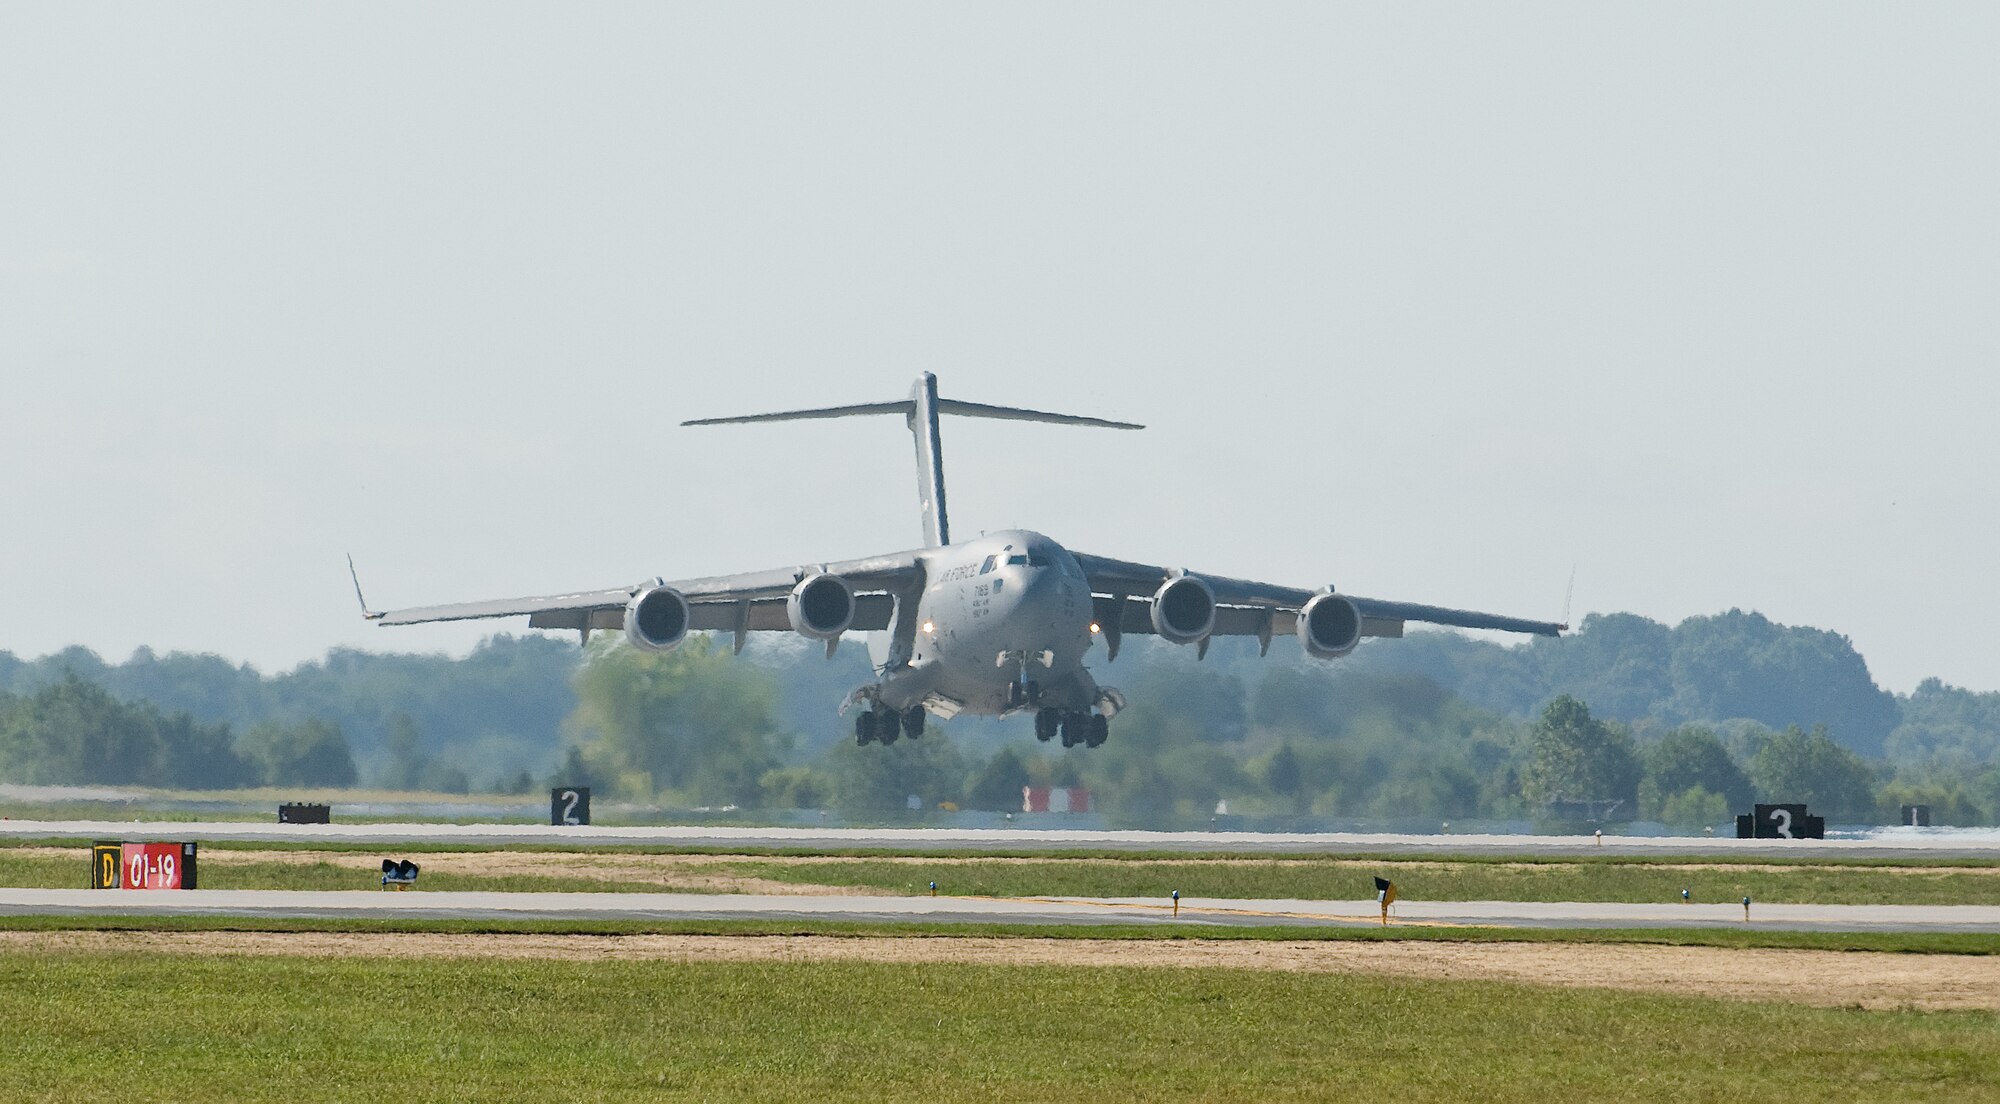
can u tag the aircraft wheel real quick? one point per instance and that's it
(864, 728)
(1098, 729)
(1071, 730)
(888, 726)
(913, 721)
(1045, 724)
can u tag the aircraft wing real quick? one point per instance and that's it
(749, 602)
(1244, 607)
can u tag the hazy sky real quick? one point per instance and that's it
(1430, 302)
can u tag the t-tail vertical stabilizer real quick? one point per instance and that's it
(921, 411)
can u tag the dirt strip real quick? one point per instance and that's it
(1864, 979)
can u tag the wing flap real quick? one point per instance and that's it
(509, 607)
(1239, 603)
(713, 601)
(1376, 608)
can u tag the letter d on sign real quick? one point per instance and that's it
(104, 863)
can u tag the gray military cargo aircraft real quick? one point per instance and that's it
(997, 626)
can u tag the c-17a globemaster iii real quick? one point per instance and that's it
(998, 626)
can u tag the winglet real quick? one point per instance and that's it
(366, 613)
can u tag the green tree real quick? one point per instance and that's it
(1574, 756)
(1619, 662)
(406, 756)
(997, 785)
(1742, 665)
(1796, 766)
(575, 770)
(306, 753)
(75, 732)
(1687, 758)
(1285, 778)
(877, 782)
(1947, 728)
(1694, 807)
(199, 756)
(694, 722)
(800, 787)
(1950, 801)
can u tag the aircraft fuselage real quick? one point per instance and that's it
(1001, 624)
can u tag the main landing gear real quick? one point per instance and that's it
(1088, 729)
(883, 726)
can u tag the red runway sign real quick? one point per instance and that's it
(142, 866)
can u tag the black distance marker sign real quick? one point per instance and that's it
(1785, 822)
(569, 805)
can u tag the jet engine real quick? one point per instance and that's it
(1184, 610)
(656, 620)
(1329, 626)
(821, 607)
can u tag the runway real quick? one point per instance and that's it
(423, 905)
(1885, 844)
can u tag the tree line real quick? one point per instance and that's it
(1684, 724)
(76, 732)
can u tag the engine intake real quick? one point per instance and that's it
(1184, 610)
(656, 620)
(1329, 626)
(821, 607)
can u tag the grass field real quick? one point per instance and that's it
(1346, 879)
(128, 1027)
(1558, 879)
(61, 872)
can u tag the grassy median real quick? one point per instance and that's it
(1627, 879)
(129, 1027)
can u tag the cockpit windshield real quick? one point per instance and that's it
(1009, 558)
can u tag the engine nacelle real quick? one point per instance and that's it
(1184, 610)
(821, 607)
(656, 620)
(1329, 626)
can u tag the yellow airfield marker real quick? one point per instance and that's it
(1385, 894)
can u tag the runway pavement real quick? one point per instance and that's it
(1886, 844)
(420, 904)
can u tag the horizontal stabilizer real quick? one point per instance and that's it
(901, 407)
(921, 411)
(906, 408)
(1017, 414)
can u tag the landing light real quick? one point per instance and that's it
(930, 626)
(1094, 630)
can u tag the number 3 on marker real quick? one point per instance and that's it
(1783, 819)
